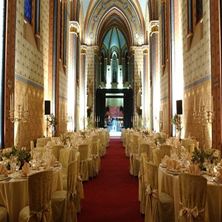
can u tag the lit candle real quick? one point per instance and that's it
(13, 102)
(200, 104)
(26, 103)
(10, 103)
(194, 105)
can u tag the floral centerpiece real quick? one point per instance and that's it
(159, 139)
(176, 120)
(83, 134)
(65, 138)
(22, 155)
(52, 122)
(203, 157)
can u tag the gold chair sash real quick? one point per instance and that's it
(42, 214)
(152, 192)
(190, 212)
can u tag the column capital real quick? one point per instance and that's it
(83, 49)
(74, 27)
(145, 49)
(153, 27)
(139, 48)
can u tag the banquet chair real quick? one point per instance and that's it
(3, 214)
(84, 161)
(193, 194)
(56, 150)
(103, 143)
(134, 155)
(79, 188)
(64, 202)
(159, 153)
(40, 192)
(94, 159)
(141, 185)
(42, 141)
(166, 149)
(146, 148)
(66, 155)
(159, 206)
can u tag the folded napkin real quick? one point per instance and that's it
(194, 169)
(3, 170)
(165, 159)
(25, 169)
(52, 160)
(219, 176)
(173, 164)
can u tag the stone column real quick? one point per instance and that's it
(154, 73)
(82, 89)
(91, 86)
(146, 91)
(105, 70)
(123, 70)
(72, 73)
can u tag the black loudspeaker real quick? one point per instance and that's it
(179, 107)
(47, 107)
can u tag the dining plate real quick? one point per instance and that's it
(3, 177)
(163, 165)
(174, 172)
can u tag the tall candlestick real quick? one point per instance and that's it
(13, 102)
(10, 103)
(194, 105)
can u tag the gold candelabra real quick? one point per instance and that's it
(20, 114)
(203, 116)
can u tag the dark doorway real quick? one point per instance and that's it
(125, 109)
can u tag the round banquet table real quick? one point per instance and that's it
(14, 192)
(169, 184)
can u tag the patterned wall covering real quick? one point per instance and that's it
(31, 65)
(197, 76)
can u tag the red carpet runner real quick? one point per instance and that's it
(113, 195)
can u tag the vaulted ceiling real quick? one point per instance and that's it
(85, 5)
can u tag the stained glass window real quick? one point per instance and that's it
(28, 10)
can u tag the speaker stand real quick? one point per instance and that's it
(47, 126)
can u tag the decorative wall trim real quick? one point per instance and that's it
(197, 82)
(28, 81)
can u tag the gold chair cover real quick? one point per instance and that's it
(134, 151)
(159, 206)
(64, 203)
(56, 150)
(84, 161)
(193, 193)
(142, 185)
(95, 159)
(40, 192)
(159, 153)
(3, 214)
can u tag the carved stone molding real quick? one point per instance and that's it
(153, 27)
(74, 27)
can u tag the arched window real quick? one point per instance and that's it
(28, 10)
(37, 16)
(32, 14)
